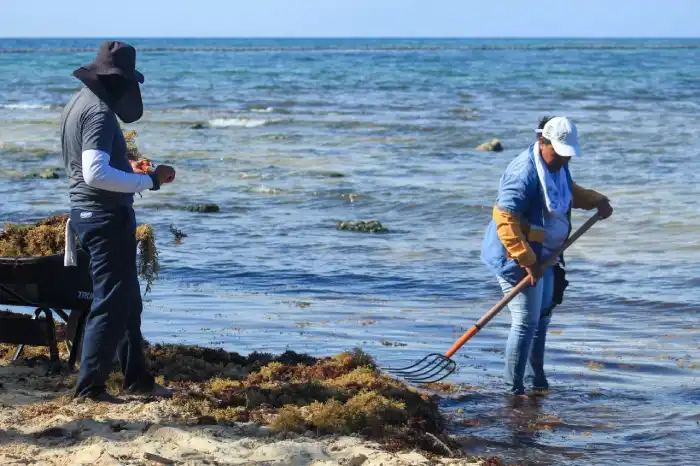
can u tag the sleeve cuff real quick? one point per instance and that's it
(527, 259)
(150, 182)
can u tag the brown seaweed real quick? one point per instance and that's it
(47, 237)
(292, 392)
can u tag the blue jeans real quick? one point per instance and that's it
(528, 330)
(114, 323)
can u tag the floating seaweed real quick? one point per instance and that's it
(45, 174)
(203, 208)
(389, 343)
(493, 145)
(177, 234)
(364, 226)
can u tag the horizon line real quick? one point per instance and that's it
(360, 37)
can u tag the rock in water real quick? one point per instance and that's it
(365, 226)
(493, 146)
(203, 208)
(46, 174)
(198, 126)
(49, 174)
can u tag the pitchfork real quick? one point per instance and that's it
(435, 366)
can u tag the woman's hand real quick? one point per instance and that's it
(605, 210)
(534, 272)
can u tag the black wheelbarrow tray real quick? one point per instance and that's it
(47, 286)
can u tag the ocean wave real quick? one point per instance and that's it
(62, 90)
(282, 111)
(262, 110)
(262, 189)
(9, 148)
(26, 106)
(238, 122)
(221, 111)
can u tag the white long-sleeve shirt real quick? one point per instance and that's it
(97, 173)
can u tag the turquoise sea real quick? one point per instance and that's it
(289, 137)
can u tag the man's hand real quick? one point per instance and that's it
(164, 174)
(534, 272)
(605, 210)
(140, 167)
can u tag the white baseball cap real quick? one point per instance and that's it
(564, 136)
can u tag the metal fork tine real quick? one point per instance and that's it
(427, 369)
(413, 367)
(432, 371)
(445, 369)
(429, 381)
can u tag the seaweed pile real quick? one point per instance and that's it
(291, 392)
(43, 238)
(47, 237)
(342, 394)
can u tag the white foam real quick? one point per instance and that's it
(266, 190)
(25, 106)
(262, 110)
(237, 122)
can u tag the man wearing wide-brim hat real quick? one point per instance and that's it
(102, 185)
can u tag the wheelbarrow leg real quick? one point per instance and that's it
(52, 344)
(74, 335)
(18, 352)
(20, 348)
(55, 367)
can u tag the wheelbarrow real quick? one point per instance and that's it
(46, 285)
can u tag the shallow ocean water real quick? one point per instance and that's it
(298, 135)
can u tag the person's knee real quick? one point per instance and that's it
(525, 319)
(527, 325)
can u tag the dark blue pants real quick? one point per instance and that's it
(114, 323)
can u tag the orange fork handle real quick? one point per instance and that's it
(486, 318)
(462, 340)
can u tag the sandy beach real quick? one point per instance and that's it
(41, 425)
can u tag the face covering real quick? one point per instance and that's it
(123, 97)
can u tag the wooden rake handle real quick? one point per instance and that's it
(518, 288)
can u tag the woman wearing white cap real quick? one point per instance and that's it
(531, 220)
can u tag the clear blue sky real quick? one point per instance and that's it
(350, 18)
